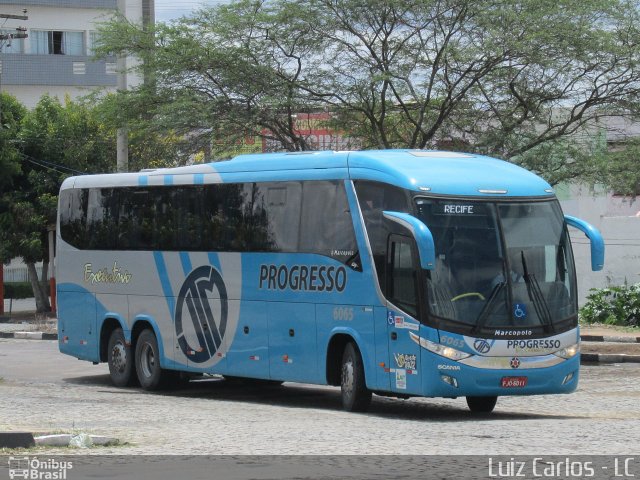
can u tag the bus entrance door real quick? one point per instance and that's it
(404, 353)
(402, 292)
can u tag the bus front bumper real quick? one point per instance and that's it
(498, 376)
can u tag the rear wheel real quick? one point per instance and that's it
(481, 404)
(120, 360)
(150, 375)
(356, 397)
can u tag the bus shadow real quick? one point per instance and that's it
(292, 395)
(94, 380)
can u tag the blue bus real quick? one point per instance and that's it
(396, 272)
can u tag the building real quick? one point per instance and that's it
(57, 55)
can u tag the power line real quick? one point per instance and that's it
(52, 166)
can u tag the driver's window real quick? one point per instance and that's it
(402, 274)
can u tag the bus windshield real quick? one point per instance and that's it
(499, 265)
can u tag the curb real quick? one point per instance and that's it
(16, 440)
(609, 338)
(29, 335)
(84, 440)
(608, 358)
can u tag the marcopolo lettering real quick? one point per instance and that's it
(513, 333)
(541, 344)
(305, 278)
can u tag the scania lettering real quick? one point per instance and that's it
(395, 272)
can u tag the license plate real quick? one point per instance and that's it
(513, 382)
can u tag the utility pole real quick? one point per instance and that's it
(7, 37)
(122, 135)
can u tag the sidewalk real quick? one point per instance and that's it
(19, 306)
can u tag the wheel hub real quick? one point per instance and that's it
(119, 357)
(347, 377)
(147, 360)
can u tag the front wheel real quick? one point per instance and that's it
(481, 404)
(356, 397)
(150, 375)
(120, 360)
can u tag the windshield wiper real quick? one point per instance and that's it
(488, 307)
(536, 296)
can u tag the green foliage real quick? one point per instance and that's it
(19, 290)
(50, 143)
(11, 114)
(55, 141)
(618, 305)
(149, 145)
(619, 169)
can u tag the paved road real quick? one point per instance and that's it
(43, 390)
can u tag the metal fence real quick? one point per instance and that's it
(19, 274)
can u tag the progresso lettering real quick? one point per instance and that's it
(534, 344)
(313, 278)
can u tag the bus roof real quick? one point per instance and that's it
(436, 172)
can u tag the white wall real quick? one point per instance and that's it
(67, 19)
(618, 219)
(29, 95)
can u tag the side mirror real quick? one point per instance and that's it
(594, 236)
(421, 234)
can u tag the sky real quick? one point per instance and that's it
(169, 9)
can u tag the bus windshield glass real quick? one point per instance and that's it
(499, 265)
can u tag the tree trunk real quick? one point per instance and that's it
(42, 300)
(45, 272)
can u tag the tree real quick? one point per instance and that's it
(55, 142)
(521, 81)
(11, 114)
(149, 146)
(220, 74)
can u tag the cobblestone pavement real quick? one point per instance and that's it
(44, 391)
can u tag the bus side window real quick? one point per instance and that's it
(326, 226)
(402, 288)
(73, 217)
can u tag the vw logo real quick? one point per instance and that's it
(196, 303)
(482, 345)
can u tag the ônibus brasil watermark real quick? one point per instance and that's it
(34, 468)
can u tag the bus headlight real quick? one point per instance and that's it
(447, 352)
(568, 352)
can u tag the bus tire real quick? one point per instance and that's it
(150, 375)
(481, 404)
(356, 397)
(120, 360)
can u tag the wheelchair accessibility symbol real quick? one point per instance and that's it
(520, 310)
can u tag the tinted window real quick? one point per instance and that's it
(73, 208)
(102, 219)
(311, 217)
(326, 225)
(276, 216)
(402, 285)
(374, 198)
